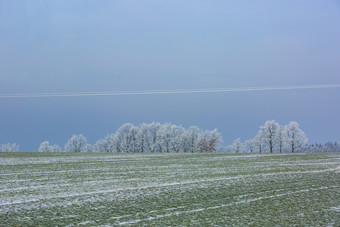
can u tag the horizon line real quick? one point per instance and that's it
(173, 91)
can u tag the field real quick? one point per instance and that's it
(97, 189)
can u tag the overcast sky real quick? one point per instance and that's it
(92, 46)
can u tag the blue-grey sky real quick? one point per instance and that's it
(87, 45)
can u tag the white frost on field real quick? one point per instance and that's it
(222, 206)
(336, 169)
(69, 194)
(86, 223)
(65, 182)
(337, 209)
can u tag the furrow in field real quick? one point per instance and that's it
(223, 205)
(153, 185)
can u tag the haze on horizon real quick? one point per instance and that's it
(97, 46)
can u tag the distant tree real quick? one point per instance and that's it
(270, 132)
(142, 138)
(56, 148)
(209, 140)
(77, 143)
(259, 142)
(88, 148)
(164, 138)
(151, 136)
(215, 138)
(125, 138)
(191, 138)
(46, 147)
(203, 143)
(251, 144)
(295, 138)
(156, 137)
(281, 139)
(105, 145)
(177, 138)
(318, 147)
(10, 147)
(236, 146)
(133, 134)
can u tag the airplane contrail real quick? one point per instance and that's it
(160, 92)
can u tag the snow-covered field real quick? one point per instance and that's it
(169, 189)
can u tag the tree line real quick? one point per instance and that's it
(318, 147)
(272, 137)
(156, 137)
(145, 138)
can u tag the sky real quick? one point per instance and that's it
(62, 46)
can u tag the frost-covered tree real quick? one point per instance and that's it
(203, 142)
(151, 136)
(318, 147)
(10, 147)
(88, 148)
(164, 138)
(177, 138)
(251, 144)
(174, 138)
(45, 147)
(56, 148)
(156, 137)
(191, 137)
(294, 137)
(133, 133)
(215, 138)
(270, 132)
(259, 142)
(105, 145)
(142, 138)
(236, 146)
(209, 140)
(281, 139)
(125, 138)
(77, 143)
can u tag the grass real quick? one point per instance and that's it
(91, 189)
